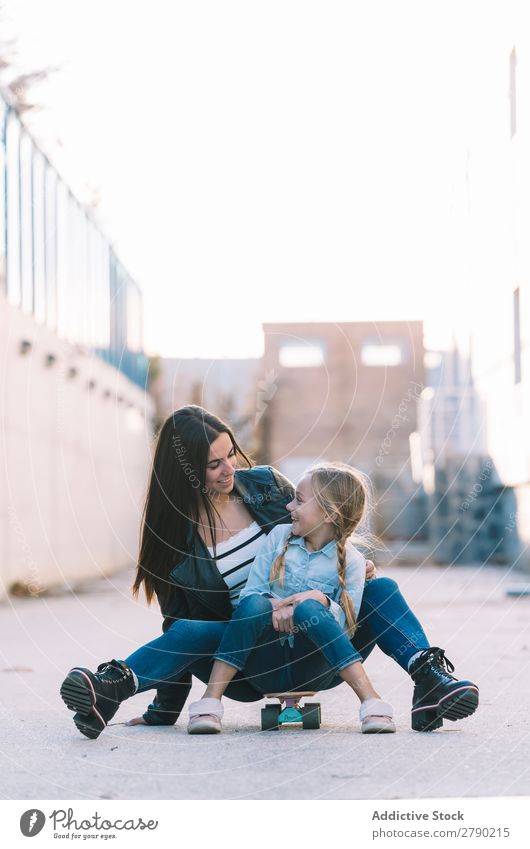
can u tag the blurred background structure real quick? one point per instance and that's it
(368, 303)
(73, 373)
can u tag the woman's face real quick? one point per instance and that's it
(305, 511)
(221, 466)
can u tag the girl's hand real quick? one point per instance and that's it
(282, 619)
(137, 720)
(298, 598)
(282, 614)
(371, 571)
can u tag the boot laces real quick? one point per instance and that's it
(112, 670)
(437, 656)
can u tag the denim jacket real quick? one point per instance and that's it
(306, 570)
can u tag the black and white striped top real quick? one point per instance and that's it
(234, 557)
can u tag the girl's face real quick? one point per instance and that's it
(221, 466)
(307, 515)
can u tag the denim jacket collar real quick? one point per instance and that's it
(328, 549)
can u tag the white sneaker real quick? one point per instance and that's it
(205, 716)
(376, 717)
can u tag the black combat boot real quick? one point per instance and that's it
(96, 696)
(437, 694)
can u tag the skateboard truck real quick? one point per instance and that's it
(290, 710)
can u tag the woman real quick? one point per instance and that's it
(202, 523)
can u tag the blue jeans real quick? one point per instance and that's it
(385, 619)
(320, 648)
(188, 646)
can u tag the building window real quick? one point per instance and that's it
(517, 335)
(61, 218)
(134, 317)
(374, 353)
(302, 354)
(513, 93)
(13, 210)
(26, 223)
(50, 247)
(103, 297)
(3, 165)
(39, 238)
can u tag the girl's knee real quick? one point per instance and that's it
(254, 605)
(308, 612)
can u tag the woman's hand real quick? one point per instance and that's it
(137, 720)
(371, 571)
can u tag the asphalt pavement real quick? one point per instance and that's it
(466, 610)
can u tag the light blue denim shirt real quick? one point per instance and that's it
(306, 570)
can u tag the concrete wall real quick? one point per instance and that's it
(74, 458)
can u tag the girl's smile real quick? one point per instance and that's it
(309, 520)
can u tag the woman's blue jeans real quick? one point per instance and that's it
(385, 619)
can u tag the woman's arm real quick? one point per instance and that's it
(167, 704)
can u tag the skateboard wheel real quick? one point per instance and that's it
(269, 717)
(311, 716)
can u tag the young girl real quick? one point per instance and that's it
(292, 627)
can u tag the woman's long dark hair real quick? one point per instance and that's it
(177, 495)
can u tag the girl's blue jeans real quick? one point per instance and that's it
(318, 650)
(385, 619)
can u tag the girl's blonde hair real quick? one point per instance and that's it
(343, 494)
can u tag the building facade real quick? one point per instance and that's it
(348, 391)
(75, 420)
(492, 327)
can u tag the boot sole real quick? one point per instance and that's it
(459, 705)
(456, 705)
(78, 694)
(89, 726)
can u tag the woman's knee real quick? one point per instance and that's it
(189, 625)
(380, 588)
(185, 632)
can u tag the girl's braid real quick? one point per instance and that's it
(345, 598)
(278, 567)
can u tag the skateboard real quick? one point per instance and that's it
(273, 716)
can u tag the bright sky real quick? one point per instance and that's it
(266, 161)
